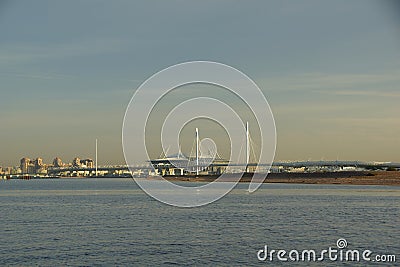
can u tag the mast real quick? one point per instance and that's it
(247, 145)
(197, 151)
(96, 157)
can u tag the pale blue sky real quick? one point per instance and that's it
(330, 70)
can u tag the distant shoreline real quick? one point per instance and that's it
(346, 177)
(391, 178)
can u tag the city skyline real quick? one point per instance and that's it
(330, 71)
(179, 165)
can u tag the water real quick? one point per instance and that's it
(107, 222)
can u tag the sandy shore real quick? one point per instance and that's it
(353, 177)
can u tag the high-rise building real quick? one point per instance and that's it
(38, 163)
(27, 166)
(40, 167)
(57, 162)
(88, 163)
(76, 162)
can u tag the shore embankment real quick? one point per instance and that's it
(344, 177)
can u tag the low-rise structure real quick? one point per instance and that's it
(179, 165)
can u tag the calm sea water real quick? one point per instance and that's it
(108, 222)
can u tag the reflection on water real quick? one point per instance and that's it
(112, 222)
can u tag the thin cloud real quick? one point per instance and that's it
(44, 76)
(365, 93)
(336, 83)
(17, 54)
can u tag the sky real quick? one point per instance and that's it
(329, 69)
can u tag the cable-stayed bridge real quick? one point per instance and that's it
(286, 164)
